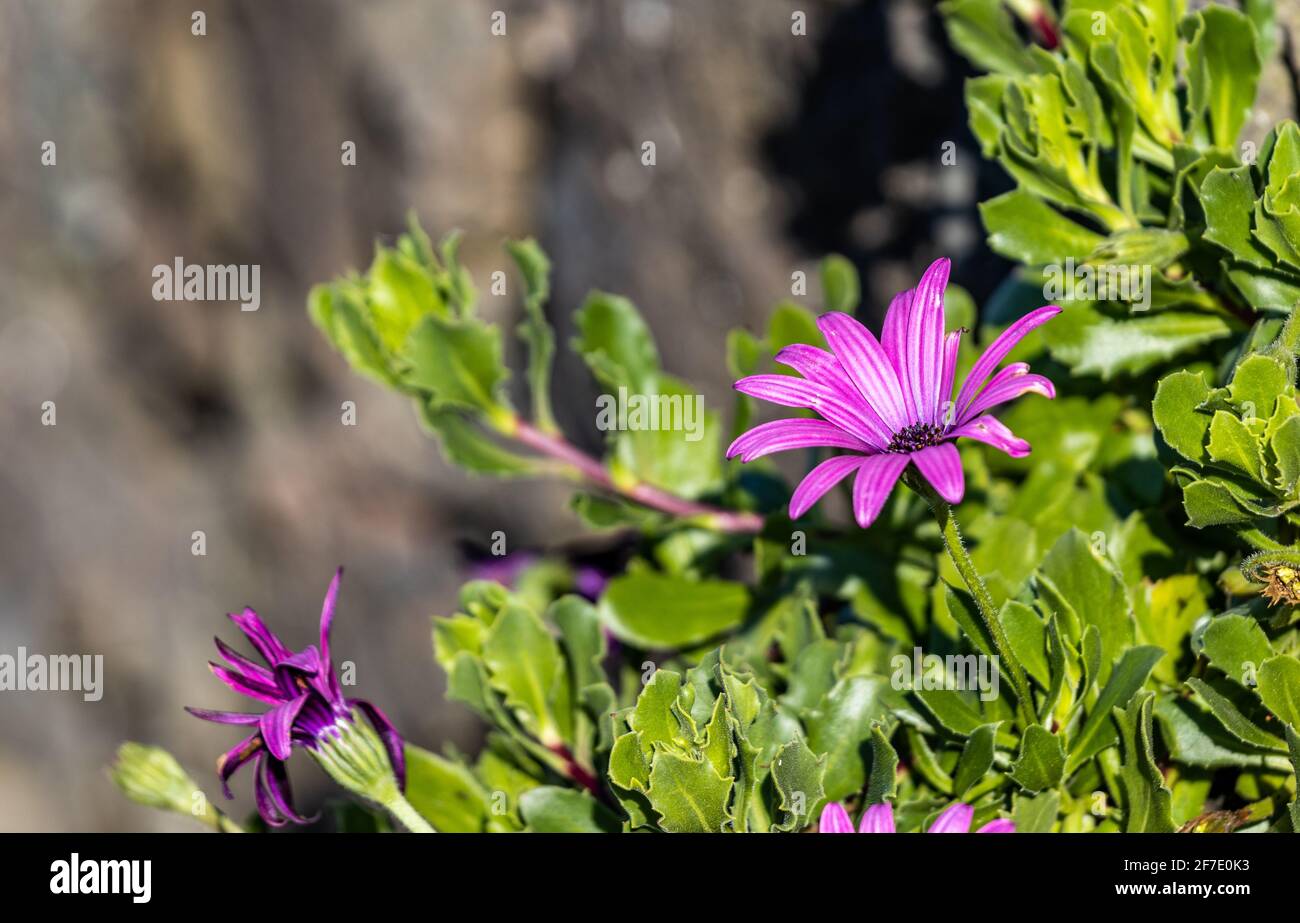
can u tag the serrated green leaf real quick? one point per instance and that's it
(1279, 688)
(1096, 589)
(688, 793)
(535, 268)
(976, 758)
(445, 793)
(1037, 814)
(882, 781)
(1233, 444)
(1040, 764)
(524, 664)
(1237, 724)
(797, 773)
(840, 728)
(1125, 681)
(1023, 227)
(1147, 803)
(1175, 414)
(1236, 645)
(983, 32)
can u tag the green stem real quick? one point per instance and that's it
(397, 805)
(988, 611)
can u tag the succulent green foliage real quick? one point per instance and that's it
(1133, 202)
(1238, 444)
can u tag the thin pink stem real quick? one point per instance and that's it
(558, 448)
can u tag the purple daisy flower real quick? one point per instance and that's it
(352, 740)
(879, 818)
(889, 401)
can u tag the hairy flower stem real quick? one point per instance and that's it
(557, 447)
(988, 611)
(407, 816)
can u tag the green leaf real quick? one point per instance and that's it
(1024, 228)
(1233, 720)
(445, 793)
(792, 323)
(1228, 198)
(882, 781)
(1147, 803)
(797, 773)
(1096, 589)
(841, 728)
(1174, 411)
(1279, 688)
(1293, 744)
(1256, 384)
(688, 793)
(1236, 645)
(1092, 343)
(535, 268)
(652, 610)
(1196, 738)
(616, 343)
(961, 606)
(1041, 762)
(1232, 444)
(1125, 681)
(524, 664)
(1037, 814)
(1285, 446)
(1208, 503)
(976, 758)
(1027, 636)
(983, 32)
(654, 719)
(466, 446)
(457, 362)
(550, 809)
(841, 290)
(1223, 65)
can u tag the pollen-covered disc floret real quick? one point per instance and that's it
(890, 402)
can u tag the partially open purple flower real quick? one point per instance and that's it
(889, 402)
(352, 740)
(879, 818)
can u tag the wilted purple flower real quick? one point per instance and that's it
(879, 818)
(889, 402)
(351, 739)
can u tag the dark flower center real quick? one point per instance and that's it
(915, 437)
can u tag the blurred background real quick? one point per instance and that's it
(773, 148)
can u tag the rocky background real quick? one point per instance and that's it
(773, 149)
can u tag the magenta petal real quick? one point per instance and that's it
(822, 368)
(998, 350)
(1001, 825)
(783, 435)
(327, 616)
(274, 780)
(867, 366)
(243, 664)
(923, 343)
(894, 331)
(247, 685)
(1006, 385)
(278, 723)
(955, 818)
(851, 414)
(947, 411)
(224, 717)
(388, 734)
(992, 431)
(235, 757)
(821, 479)
(941, 466)
(876, 478)
(262, 638)
(879, 818)
(835, 819)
